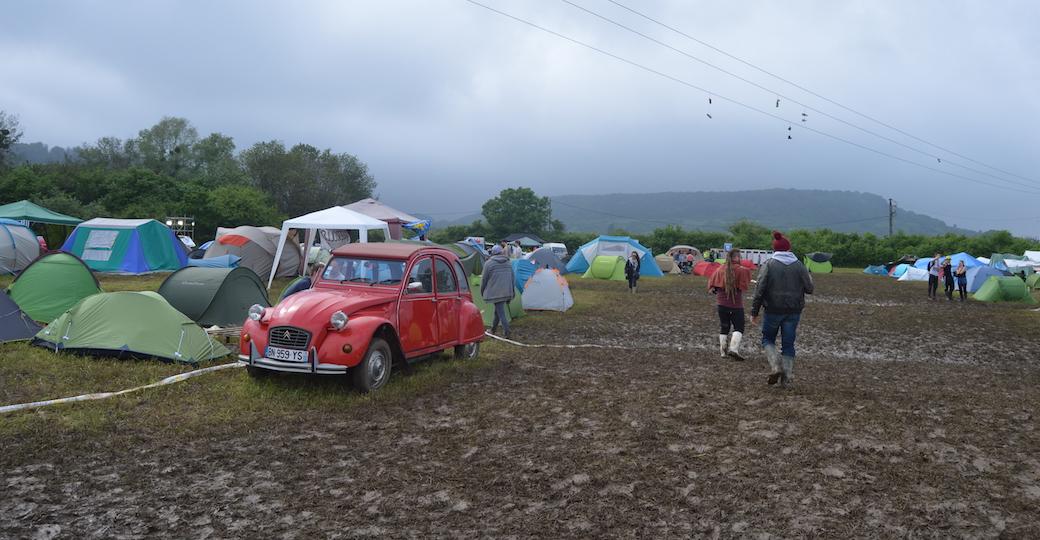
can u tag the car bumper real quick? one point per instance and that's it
(313, 365)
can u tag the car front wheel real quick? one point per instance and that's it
(373, 372)
(467, 351)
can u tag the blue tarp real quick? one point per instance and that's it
(224, 261)
(614, 246)
(523, 269)
(899, 270)
(969, 261)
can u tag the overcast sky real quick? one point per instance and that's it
(448, 103)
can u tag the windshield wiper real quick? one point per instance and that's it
(353, 279)
(390, 281)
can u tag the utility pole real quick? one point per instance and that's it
(891, 215)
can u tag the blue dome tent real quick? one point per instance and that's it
(611, 246)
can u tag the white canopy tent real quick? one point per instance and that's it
(336, 218)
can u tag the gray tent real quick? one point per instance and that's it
(15, 325)
(546, 258)
(257, 247)
(18, 246)
(214, 296)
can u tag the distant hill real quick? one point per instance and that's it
(37, 152)
(844, 211)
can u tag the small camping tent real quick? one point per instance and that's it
(1004, 289)
(336, 220)
(18, 246)
(126, 246)
(130, 324)
(224, 261)
(978, 275)
(705, 268)
(545, 257)
(487, 311)
(683, 249)
(51, 285)
(1033, 281)
(819, 263)
(15, 325)
(613, 246)
(471, 257)
(667, 264)
(956, 258)
(214, 296)
(547, 290)
(392, 216)
(913, 274)
(1032, 256)
(606, 267)
(256, 247)
(875, 270)
(899, 269)
(523, 269)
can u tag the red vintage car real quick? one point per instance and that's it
(373, 306)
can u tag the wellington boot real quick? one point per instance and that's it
(722, 345)
(734, 346)
(775, 369)
(787, 379)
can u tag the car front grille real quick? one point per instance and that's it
(288, 337)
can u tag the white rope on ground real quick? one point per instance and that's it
(579, 346)
(104, 395)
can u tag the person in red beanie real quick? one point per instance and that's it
(783, 282)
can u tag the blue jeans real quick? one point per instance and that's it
(784, 323)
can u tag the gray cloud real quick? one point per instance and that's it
(449, 103)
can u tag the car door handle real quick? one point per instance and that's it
(434, 300)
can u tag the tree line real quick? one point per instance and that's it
(170, 170)
(520, 210)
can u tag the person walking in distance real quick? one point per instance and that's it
(497, 286)
(934, 267)
(961, 273)
(783, 282)
(947, 276)
(729, 284)
(632, 271)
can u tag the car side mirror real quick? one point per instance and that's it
(415, 287)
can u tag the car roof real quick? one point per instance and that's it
(392, 250)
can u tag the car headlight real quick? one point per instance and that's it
(256, 311)
(338, 320)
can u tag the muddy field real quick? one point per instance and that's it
(908, 418)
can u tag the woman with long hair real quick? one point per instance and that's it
(729, 283)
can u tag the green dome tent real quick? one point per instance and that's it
(819, 263)
(1004, 289)
(487, 311)
(214, 296)
(1033, 281)
(606, 267)
(51, 285)
(130, 325)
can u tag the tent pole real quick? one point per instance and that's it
(278, 254)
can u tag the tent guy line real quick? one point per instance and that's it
(105, 395)
(815, 94)
(742, 104)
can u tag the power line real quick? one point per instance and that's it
(792, 100)
(808, 91)
(737, 102)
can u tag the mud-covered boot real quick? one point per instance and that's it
(787, 378)
(775, 369)
(734, 346)
(722, 345)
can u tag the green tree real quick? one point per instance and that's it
(10, 133)
(519, 210)
(750, 235)
(166, 147)
(214, 161)
(304, 179)
(109, 153)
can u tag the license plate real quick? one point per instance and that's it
(286, 355)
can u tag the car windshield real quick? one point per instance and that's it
(365, 271)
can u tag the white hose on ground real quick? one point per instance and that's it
(105, 395)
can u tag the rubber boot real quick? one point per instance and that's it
(734, 346)
(722, 345)
(787, 379)
(775, 369)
